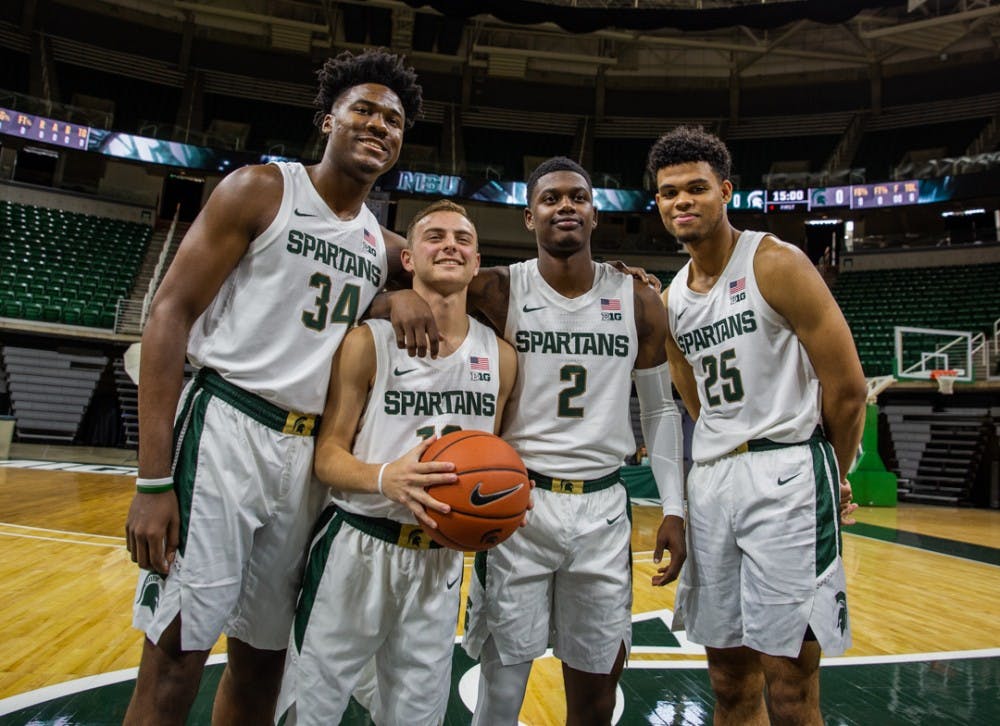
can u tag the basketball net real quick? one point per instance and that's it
(945, 380)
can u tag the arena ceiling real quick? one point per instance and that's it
(624, 39)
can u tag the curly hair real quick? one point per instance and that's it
(441, 205)
(687, 144)
(376, 65)
(556, 163)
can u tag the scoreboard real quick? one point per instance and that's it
(885, 194)
(787, 200)
(39, 128)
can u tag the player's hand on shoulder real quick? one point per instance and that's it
(413, 323)
(406, 480)
(669, 537)
(639, 274)
(152, 530)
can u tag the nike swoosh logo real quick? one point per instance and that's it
(480, 500)
(398, 372)
(616, 518)
(681, 313)
(782, 482)
(452, 583)
(526, 309)
(303, 214)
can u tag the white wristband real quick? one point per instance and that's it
(154, 486)
(381, 471)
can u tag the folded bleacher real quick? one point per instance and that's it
(66, 267)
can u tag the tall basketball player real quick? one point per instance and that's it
(765, 362)
(266, 283)
(581, 329)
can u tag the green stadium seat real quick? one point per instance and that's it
(72, 314)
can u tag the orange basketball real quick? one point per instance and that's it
(490, 497)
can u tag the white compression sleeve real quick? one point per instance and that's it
(661, 427)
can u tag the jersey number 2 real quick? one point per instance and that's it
(577, 374)
(345, 310)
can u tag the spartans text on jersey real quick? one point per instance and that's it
(437, 403)
(571, 343)
(301, 243)
(731, 326)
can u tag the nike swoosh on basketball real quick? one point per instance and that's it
(397, 372)
(452, 583)
(616, 518)
(782, 482)
(480, 500)
(303, 214)
(681, 313)
(526, 309)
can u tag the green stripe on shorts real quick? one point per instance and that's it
(826, 530)
(315, 565)
(186, 467)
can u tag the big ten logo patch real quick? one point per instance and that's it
(479, 368)
(611, 308)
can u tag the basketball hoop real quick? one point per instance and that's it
(945, 380)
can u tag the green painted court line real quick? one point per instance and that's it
(974, 552)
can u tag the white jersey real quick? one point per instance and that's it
(415, 398)
(279, 317)
(754, 377)
(568, 415)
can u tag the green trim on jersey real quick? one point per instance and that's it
(186, 468)
(319, 552)
(827, 536)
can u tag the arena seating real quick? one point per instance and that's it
(66, 267)
(951, 298)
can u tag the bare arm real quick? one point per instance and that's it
(661, 427)
(681, 372)
(404, 479)
(210, 250)
(489, 293)
(792, 286)
(508, 374)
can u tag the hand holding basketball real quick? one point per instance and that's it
(490, 496)
(406, 479)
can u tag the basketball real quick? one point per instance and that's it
(490, 497)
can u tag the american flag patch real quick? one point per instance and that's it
(736, 286)
(479, 363)
(611, 304)
(370, 243)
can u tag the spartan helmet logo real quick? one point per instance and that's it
(842, 612)
(490, 537)
(566, 486)
(415, 538)
(300, 424)
(149, 596)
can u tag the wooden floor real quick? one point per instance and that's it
(66, 585)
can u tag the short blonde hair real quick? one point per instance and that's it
(441, 205)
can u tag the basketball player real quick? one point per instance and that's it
(375, 584)
(271, 275)
(580, 328)
(765, 363)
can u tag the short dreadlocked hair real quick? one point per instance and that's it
(686, 144)
(375, 65)
(556, 163)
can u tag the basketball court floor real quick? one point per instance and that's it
(923, 588)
